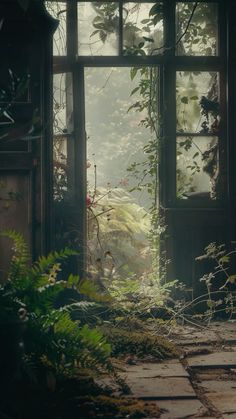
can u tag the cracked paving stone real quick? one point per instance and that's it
(160, 388)
(224, 402)
(151, 370)
(222, 394)
(173, 409)
(217, 360)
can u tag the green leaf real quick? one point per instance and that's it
(224, 259)
(103, 36)
(156, 8)
(156, 19)
(148, 39)
(133, 72)
(184, 99)
(73, 280)
(232, 279)
(97, 19)
(94, 32)
(144, 21)
(134, 91)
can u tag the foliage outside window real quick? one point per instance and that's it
(119, 32)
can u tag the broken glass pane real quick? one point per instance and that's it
(197, 167)
(197, 28)
(142, 28)
(58, 11)
(98, 25)
(197, 101)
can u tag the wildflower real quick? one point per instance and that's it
(88, 201)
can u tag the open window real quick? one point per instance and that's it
(139, 121)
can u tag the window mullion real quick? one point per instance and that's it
(169, 27)
(120, 28)
(79, 161)
(72, 30)
(168, 172)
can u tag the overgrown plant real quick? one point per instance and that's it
(146, 171)
(51, 339)
(220, 281)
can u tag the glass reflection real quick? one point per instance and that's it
(143, 28)
(201, 21)
(197, 167)
(197, 102)
(98, 25)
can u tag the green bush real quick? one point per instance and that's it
(46, 336)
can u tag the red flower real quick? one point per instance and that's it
(88, 201)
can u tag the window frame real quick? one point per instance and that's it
(169, 63)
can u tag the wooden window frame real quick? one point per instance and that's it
(169, 63)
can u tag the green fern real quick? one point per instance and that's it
(46, 262)
(52, 338)
(20, 258)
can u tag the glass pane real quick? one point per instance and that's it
(119, 191)
(58, 11)
(14, 75)
(197, 101)
(63, 128)
(143, 28)
(197, 28)
(197, 167)
(98, 28)
(62, 104)
(19, 123)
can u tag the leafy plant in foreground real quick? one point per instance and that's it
(220, 281)
(52, 339)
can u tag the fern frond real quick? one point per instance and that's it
(46, 262)
(83, 306)
(90, 290)
(20, 258)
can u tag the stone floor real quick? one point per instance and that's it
(201, 384)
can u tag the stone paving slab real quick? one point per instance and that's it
(192, 350)
(229, 337)
(223, 326)
(214, 374)
(176, 409)
(225, 402)
(151, 370)
(197, 337)
(215, 360)
(225, 330)
(161, 388)
(217, 386)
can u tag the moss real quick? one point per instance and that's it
(124, 407)
(141, 344)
